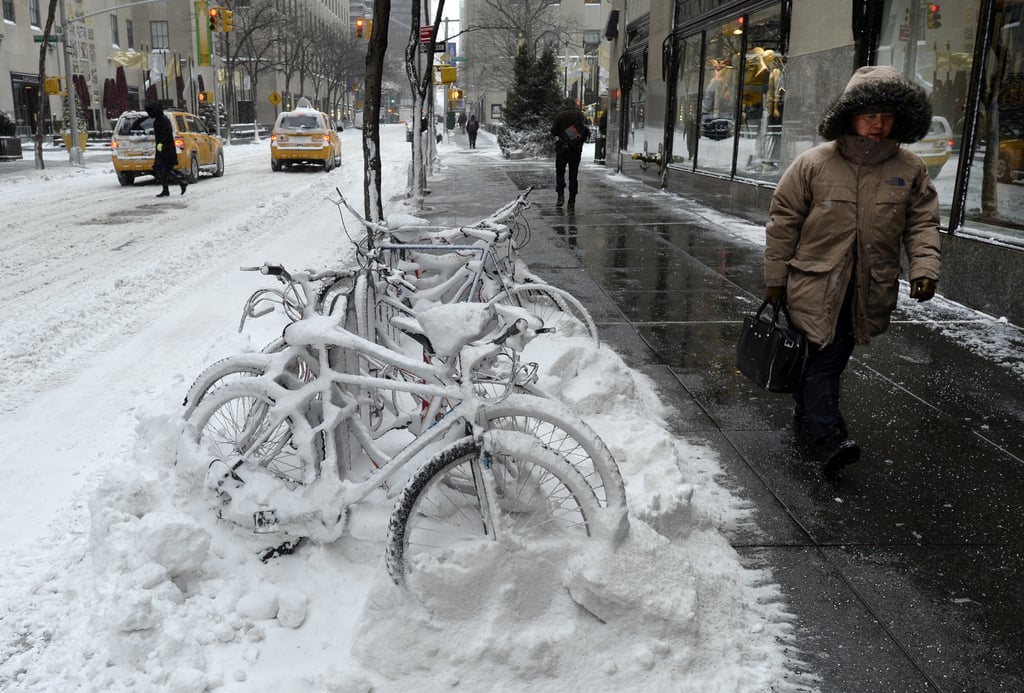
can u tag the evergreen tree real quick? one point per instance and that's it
(532, 101)
(548, 87)
(519, 113)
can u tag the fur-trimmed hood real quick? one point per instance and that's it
(880, 89)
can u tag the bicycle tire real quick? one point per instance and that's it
(230, 420)
(556, 307)
(568, 436)
(365, 293)
(441, 505)
(232, 368)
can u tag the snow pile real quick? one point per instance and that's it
(183, 603)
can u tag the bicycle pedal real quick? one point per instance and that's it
(265, 522)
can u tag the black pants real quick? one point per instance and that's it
(472, 140)
(568, 156)
(818, 396)
(167, 175)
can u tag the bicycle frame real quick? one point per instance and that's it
(336, 394)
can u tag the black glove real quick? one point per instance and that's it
(922, 289)
(774, 295)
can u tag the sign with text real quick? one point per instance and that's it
(426, 34)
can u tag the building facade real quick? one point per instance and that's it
(724, 94)
(160, 50)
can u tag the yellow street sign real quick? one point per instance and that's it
(275, 97)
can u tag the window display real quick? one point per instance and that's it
(731, 107)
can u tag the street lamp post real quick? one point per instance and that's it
(74, 151)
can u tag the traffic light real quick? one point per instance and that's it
(360, 25)
(215, 19)
(934, 17)
(456, 94)
(52, 85)
(227, 21)
(369, 28)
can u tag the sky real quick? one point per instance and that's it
(117, 576)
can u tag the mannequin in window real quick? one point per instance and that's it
(755, 83)
(716, 95)
(775, 101)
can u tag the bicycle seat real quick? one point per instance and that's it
(451, 326)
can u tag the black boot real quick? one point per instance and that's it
(572, 205)
(837, 452)
(164, 193)
(183, 185)
(561, 200)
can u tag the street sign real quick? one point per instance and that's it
(426, 34)
(51, 39)
(275, 97)
(439, 47)
(459, 59)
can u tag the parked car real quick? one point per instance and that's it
(305, 136)
(1011, 160)
(935, 147)
(132, 146)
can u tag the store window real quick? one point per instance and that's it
(741, 97)
(932, 44)
(685, 132)
(995, 191)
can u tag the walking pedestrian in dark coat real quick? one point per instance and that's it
(838, 219)
(570, 132)
(166, 157)
(462, 122)
(472, 126)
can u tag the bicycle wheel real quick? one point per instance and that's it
(444, 509)
(557, 308)
(236, 422)
(301, 368)
(333, 295)
(366, 307)
(567, 435)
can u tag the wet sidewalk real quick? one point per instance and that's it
(906, 573)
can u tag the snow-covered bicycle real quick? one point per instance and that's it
(287, 455)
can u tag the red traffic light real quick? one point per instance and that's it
(933, 8)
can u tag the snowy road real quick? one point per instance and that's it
(102, 283)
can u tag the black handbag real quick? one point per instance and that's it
(771, 354)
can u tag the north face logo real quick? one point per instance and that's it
(896, 181)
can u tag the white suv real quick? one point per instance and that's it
(935, 147)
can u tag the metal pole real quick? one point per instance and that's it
(74, 151)
(213, 64)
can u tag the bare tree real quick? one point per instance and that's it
(420, 84)
(42, 95)
(375, 51)
(506, 26)
(251, 46)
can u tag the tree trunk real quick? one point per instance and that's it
(378, 46)
(43, 96)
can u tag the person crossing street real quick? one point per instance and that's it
(166, 157)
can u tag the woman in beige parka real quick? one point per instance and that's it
(838, 218)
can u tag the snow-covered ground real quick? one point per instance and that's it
(116, 577)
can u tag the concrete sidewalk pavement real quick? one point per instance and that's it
(904, 573)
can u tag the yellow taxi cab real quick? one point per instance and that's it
(305, 136)
(133, 146)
